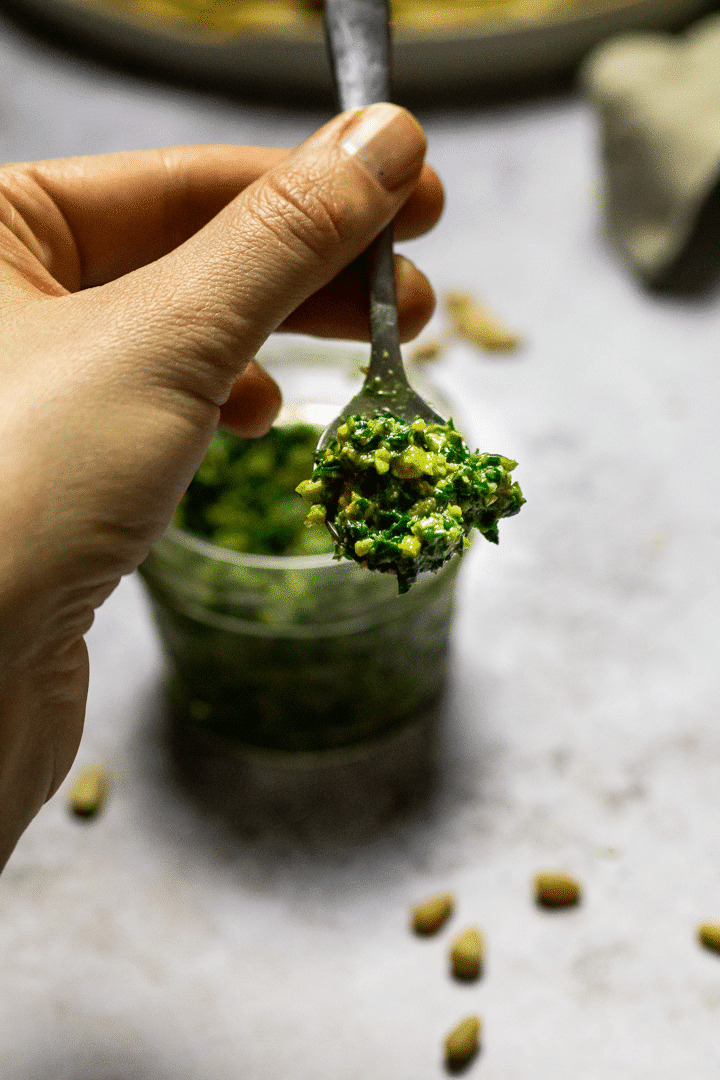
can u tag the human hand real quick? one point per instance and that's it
(135, 289)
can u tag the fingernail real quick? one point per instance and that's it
(388, 142)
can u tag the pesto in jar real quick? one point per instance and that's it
(243, 495)
(403, 497)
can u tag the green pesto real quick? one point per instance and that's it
(404, 497)
(243, 495)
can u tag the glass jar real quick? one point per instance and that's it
(298, 653)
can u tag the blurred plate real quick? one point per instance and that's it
(438, 56)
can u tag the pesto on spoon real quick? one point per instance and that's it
(394, 482)
(403, 497)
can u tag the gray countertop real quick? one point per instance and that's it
(581, 729)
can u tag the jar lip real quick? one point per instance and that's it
(206, 548)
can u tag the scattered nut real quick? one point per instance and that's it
(554, 889)
(429, 349)
(467, 954)
(89, 791)
(709, 936)
(462, 1043)
(472, 321)
(428, 916)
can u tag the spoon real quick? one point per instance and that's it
(358, 40)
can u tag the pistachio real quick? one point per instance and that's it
(467, 954)
(462, 1043)
(429, 915)
(89, 791)
(555, 889)
(471, 321)
(709, 936)
(427, 350)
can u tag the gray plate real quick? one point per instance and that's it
(426, 65)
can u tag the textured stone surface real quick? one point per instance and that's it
(581, 732)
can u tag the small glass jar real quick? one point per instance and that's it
(298, 653)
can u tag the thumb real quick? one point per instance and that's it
(219, 295)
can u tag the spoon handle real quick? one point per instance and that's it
(357, 33)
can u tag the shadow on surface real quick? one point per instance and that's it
(319, 802)
(461, 1068)
(289, 822)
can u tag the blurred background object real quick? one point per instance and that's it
(444, 49)
(658, 99)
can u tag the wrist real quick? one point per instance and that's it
(43, 681)
(43, 689)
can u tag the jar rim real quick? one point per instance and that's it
(209, 550)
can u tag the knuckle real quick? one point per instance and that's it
(34, 218)
(305, 218)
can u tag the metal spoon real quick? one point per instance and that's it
(358, 39)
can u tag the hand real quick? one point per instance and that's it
(135, 289)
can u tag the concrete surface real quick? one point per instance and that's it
(581, 730)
